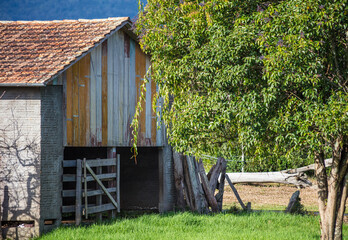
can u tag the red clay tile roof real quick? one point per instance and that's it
(31, 52)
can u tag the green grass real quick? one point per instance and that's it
(264, 225)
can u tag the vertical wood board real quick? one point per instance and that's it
(132, 92)
(99, 95)
(125, 123)
(84, 72)
(95, 97)
(75, 103)
(68, 99)
(110, 90)
(115, 90)
(120, 56)
(104, 93)
(140, 70)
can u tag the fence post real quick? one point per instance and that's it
(118, 183)
(78, 202)
(99, 200)
(85, 187)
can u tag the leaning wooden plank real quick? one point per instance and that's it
(205, 183)
(204, 203)
(213, 181)
(178, 179)
(210, 171)
(78, 189)
(194, 182)
(235, 192)
(101, 208)
(102, 186)
(328, 163)
(298, 179)
(187, 183)
(220, 194)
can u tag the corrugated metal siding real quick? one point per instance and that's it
(101, 92)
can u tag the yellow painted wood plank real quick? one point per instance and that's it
(104, 93)
(69, 117)
(75, 104)
(83, 105)
(88, 100)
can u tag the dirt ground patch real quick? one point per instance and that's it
(269, 196)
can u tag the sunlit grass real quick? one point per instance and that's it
(262, 225)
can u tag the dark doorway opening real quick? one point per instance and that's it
(139, 181)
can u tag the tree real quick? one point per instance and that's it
(271, 76)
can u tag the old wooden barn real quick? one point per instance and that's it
(68, 91)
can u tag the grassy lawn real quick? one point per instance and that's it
(264, 225)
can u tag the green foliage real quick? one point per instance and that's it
(269, 76)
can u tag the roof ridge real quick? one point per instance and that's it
(69, 20)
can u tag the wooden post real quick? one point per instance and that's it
(199, 205)
(235, 193)
(188, 186)
(220, 195)
(112, 154)
(215, 173)
(85, 187)
(99, 198)
(78, 192)
(118, 182)
(295, 197)
(204, 203)
(179, 178)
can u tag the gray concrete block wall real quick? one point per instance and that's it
(51, 155)
(20, 138)
(166, 174)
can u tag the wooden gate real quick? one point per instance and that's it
(100, 171)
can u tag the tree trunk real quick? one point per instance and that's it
(332, 190)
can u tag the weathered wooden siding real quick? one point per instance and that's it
(102, 90)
